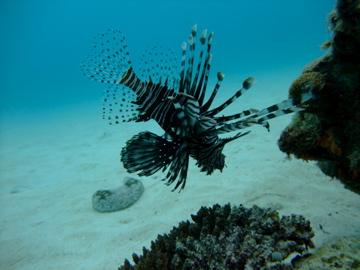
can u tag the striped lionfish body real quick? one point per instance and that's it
(191, 125)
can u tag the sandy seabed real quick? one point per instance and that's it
(51, 164)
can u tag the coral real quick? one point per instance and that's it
(329, 130)
(225, 237)
(305, 129)
(120, 198)
(340, 254)
(312, 79)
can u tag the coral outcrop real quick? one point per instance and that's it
(228, 237)
(329, 130)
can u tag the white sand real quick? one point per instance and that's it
(50, 165)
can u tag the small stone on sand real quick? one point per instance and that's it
(111, 200)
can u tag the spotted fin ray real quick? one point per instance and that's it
(119, 105)
(108, 59)
(160, 65)
(134, 99)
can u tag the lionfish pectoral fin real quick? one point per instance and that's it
(261, 117)
(178, 168)
(146, 153)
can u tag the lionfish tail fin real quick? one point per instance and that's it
(109, 58)
(130, 80)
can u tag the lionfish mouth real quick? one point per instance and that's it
(174, 96)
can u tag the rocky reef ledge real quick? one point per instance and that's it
(329, 130)
(228, 237)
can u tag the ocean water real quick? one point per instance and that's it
(56, 151)
(44, 42)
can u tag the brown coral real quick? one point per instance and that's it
(328, 142)
(228, 238)
(329, 131)
(312, 79)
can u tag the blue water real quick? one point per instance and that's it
(43, 42)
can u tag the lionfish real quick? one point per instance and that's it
(177, 103)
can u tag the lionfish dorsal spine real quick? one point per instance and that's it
(198, 85)
(182, 68)
(229, 101)
(192, 46)
(200, 61)
(206, 106)
(201, 88)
